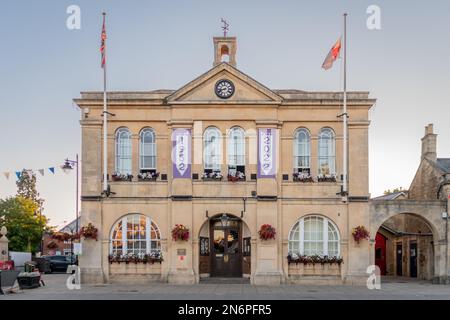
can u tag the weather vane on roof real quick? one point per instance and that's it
(225, 27)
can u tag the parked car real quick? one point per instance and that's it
(59, 262)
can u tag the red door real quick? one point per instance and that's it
(380, 253)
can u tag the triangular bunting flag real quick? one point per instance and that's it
(41, 171)
(18, 174)
(6, 175)
(52, 169)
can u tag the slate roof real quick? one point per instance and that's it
(391, 196)
(443, 164)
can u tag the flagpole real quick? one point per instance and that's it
(344, 114)
(105, 123)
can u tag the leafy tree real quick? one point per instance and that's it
(26, 188)
(25, 226)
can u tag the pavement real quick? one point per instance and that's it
(391, 289)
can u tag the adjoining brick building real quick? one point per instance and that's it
(59, 247)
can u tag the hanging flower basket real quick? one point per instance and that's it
(267, 232)
(180, 232)
(89, 232)
(360, 233)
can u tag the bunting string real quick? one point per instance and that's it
(52, 170)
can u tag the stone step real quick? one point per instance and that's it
(224, 280)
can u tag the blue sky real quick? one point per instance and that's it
(165, 44)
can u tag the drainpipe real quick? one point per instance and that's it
(446, 181)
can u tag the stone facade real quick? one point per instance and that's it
(420, 219)
(278, 200)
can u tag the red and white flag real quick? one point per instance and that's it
(103, 43)
(332, 55)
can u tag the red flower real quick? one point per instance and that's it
(267, 232)
(180, 232)
(359, 233)
(89, 232)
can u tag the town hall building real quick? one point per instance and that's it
(232, 161)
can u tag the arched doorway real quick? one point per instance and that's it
(404, 247)
(224, 247)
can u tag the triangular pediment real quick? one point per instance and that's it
(202, 89)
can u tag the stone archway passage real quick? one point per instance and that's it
(415, 238)
(404, 247)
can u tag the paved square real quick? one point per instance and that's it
(391, 289)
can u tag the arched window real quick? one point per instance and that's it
(302, 151)
(147, 150)
(212, 149)
(123, 151)
(314, 235)
(327, 152)
(236, 152)
(135, 234)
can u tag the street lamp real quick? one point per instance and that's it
(68, 165)
(224, 220)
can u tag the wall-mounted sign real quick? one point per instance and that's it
(181, 153)
(267, 157)
(181, 253)
(77, 249)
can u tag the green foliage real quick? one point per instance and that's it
(26, 188)
(25, 225)
(388, 191)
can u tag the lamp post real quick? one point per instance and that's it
(68, 165)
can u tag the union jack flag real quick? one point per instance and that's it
(103, 43)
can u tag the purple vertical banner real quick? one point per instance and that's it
(181, 153)
(267, 153)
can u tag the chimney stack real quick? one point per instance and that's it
(429, 144)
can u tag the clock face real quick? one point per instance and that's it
(224, 89)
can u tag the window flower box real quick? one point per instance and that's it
(302, 177)
(121, 177)
(326, 178)
(150, 258)
(148, 176)
(237, 176)
(294, 258)
(212, 176)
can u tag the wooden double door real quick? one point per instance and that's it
(226, 248)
